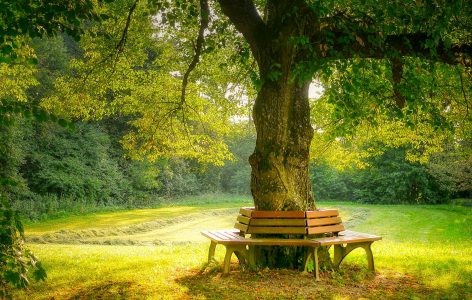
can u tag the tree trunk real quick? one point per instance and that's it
(279, 179)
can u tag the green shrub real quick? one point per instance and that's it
(389, 179)
(17, 264)
(330, 184)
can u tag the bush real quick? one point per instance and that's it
(17, 264)
(393, 179)
(330, 184)
(389, 179)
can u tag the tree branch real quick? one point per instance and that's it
(243, 14)
(119, 47)
(204, 20)
(121, 44)
(397, 73)
(373, 45)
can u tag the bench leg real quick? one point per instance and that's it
(211, 252)
(240, 252)
(316, 265)
(313, 252)
(241, 255)
(340, 253)
(251, 257)
(370, 256)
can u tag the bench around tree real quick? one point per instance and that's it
(317, 228)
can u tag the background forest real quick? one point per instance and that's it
(63, 167)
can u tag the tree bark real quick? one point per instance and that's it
(279, 179)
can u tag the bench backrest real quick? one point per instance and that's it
(320, 221)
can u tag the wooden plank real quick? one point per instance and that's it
(266, 214)
(325, 229)
(243, 219)
(277, 230)
(323, 221)
(348, 237)
(278, 222)
(246, 211)
(241, 227)
(208, 234)
(270, 242)
(220, 235)
(213, 235)
(282, 242)
(230, 236)
(322, 213)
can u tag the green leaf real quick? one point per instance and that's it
(32, 61)
(62, 122)
(7, 49)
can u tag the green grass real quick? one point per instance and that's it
(426, 253)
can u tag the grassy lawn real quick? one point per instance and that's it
(158, 254)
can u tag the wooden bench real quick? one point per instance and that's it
(318, 228)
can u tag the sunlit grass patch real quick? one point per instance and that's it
(85, 270)
(137, 216)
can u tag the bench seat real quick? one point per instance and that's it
(318, 228)
(235, 243)
(347, 237)
(231, 236)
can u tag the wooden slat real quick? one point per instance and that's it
(323, 221)
(278, 222)
(243, 219)
(219, 235)
(214, 235)
(237, 240)
(208, 234)
(322, 213)
(348, 237)
(240, 226)
(282, 242)
(325, 229)
(277, 230)
(265, 214)
(230, 236)
(246, 211)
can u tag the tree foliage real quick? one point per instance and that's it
(23, 20)
(143, 82)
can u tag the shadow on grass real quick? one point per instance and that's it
(104, 290)
(350, 282)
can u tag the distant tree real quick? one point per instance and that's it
(453, 170)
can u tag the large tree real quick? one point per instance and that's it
(294, 41)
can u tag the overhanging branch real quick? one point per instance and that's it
(373, 45)
(204, 21)
(121, 44)
(243, 14)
